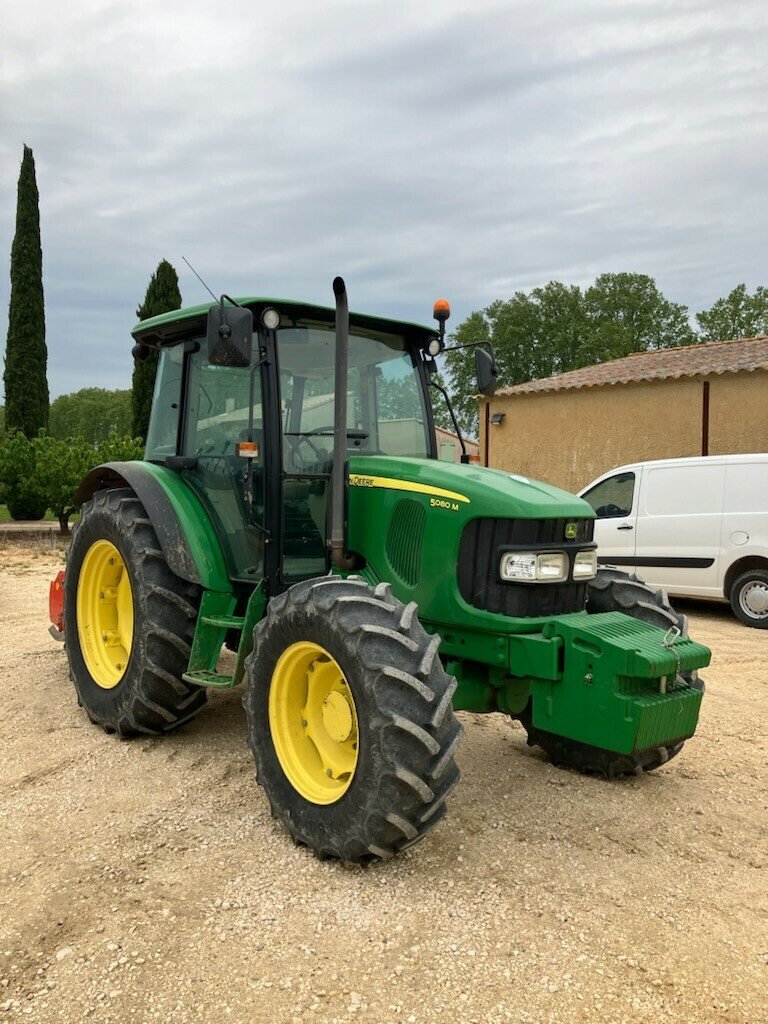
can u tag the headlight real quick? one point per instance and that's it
(527, 567)
(585, 565)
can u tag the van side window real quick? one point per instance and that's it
(612, 498)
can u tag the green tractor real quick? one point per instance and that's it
(291, 507)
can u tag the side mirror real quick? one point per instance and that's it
(485, 370)
(229, 334)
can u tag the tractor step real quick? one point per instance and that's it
(224, 621)
(202, 677)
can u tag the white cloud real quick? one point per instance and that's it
(432, 148)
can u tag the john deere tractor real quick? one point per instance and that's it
(291, 506)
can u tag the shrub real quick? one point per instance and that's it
(45, 472)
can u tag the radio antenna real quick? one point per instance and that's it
(202, 282)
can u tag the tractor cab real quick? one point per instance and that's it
(255, 441)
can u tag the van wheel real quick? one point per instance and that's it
(749, 598)
(615, 591)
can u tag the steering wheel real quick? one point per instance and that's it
(295, 443)
(610, 512)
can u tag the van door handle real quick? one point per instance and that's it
(625, 526)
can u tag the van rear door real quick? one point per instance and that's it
(678, 527)
(614, 500)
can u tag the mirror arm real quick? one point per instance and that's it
(474, 344)
(232, 302)
(444, 393)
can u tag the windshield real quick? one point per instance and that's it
(385, 403)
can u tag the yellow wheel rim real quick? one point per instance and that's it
(313, 722)
(105, 614)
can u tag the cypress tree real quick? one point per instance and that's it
(26, 355)
(162, 296)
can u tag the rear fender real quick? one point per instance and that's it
(183, 527)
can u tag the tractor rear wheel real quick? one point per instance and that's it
(129, 621)
(350, 719)
(615, 591)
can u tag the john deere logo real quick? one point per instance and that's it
(571, 529)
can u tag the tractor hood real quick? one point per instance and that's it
(475, 490)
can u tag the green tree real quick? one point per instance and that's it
(59, 469)
(627, 313)
(92, 413)
(117, 448)
(162, 296)
(19, 487)
(534, 335)
(45, 472)
(559, 327)
(738, 315)
(2, 418)
(60, 465)
(26, 356)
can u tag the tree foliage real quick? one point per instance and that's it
(19, 488)
(559, 327)
(92, 413)
(26, 356)
(44, 472)
(738, 315)
(627, 313)
(162, 296)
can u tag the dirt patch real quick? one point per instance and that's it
(145, 881)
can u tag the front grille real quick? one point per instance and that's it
(480, 551)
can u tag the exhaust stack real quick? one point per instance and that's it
(338, 472)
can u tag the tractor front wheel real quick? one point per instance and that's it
(129, 621)
(615, 591)
(350, 719)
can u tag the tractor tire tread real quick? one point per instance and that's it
(152, 698)
(408, 708)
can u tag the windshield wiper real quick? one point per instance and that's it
(360, 435)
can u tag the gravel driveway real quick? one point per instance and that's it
(145, 881)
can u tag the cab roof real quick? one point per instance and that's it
(178, 323)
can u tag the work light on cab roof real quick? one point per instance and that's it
(440, 311)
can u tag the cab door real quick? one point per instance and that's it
(615, 501)
(224, 407)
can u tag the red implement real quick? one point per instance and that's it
(56, 607)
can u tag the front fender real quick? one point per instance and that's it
(183, 527)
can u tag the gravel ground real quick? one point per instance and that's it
(145, 881)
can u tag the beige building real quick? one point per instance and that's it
(709, 399)
(449, 446)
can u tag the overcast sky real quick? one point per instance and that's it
(422, 149)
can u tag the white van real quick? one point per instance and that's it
(696, 527)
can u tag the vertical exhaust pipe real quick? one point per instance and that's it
(338, 472)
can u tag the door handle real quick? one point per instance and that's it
(626, 526)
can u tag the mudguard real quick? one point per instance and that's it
(183, 527)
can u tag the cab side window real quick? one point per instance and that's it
(218, 412)
(612, 498)
(162, 437)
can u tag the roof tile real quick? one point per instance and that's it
(660, 364)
